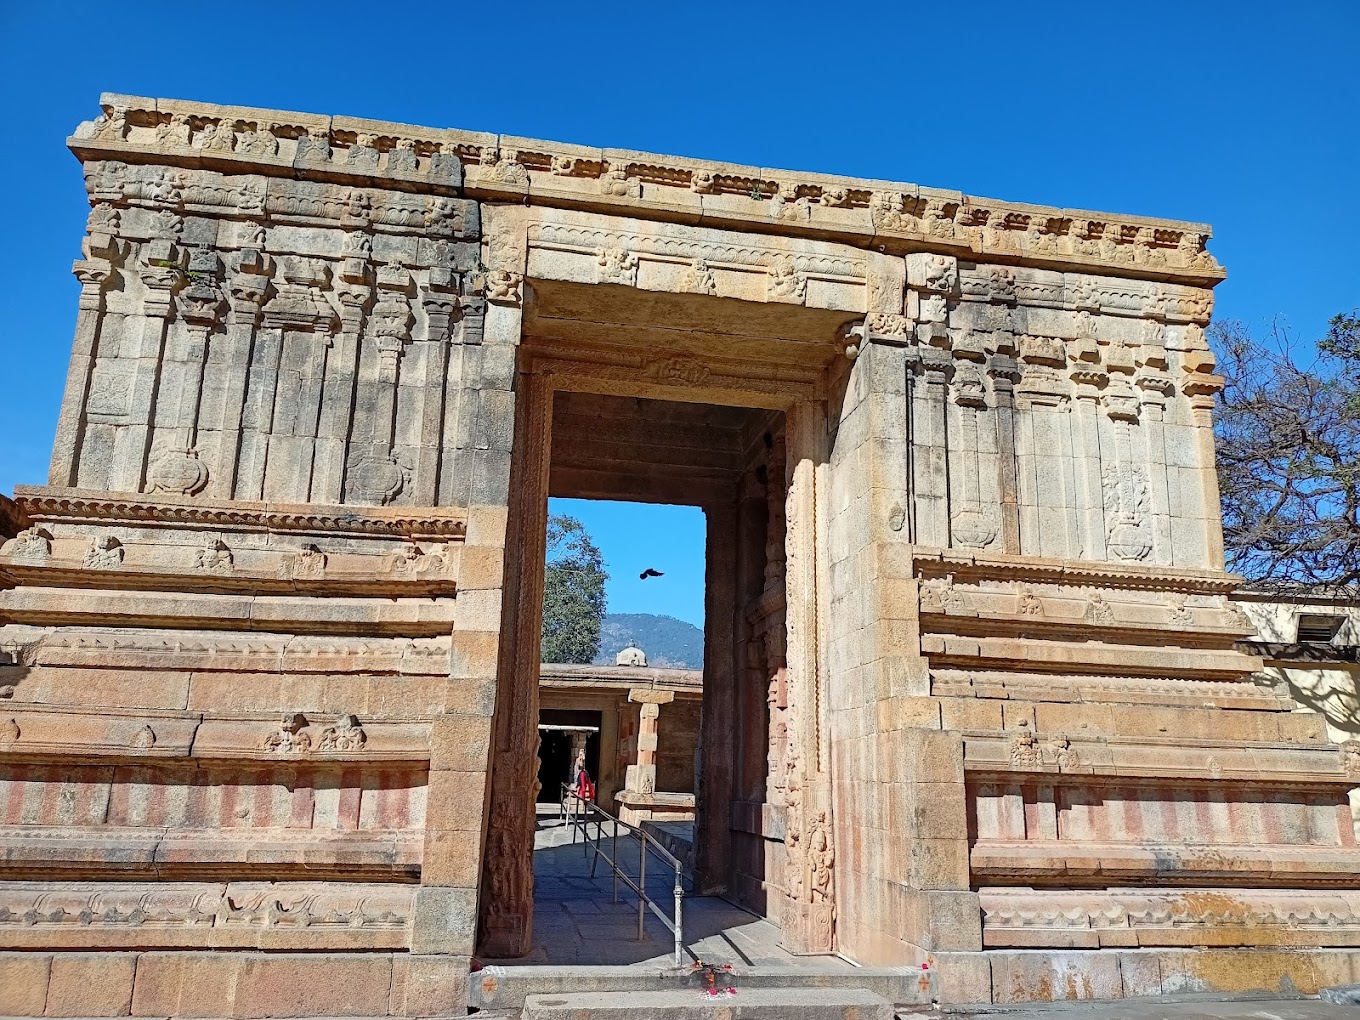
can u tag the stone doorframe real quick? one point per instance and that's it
(584, 248)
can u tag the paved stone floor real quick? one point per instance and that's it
(577, 921)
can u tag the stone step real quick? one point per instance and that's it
(497, 986)
(693, 1004)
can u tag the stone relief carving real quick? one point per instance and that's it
(9, 731)
(617, 265)
(1029, 604)
(40, 905)
(1061, 752)
(698, 278)
(308, 563)
(105, 553)
(412, 561)
(503, 167)
(345, 735)
(679, 369)
(143, 740)
(1025, 750)
(376, 479)
(290, 737)
(214, 558)
(32, 545)
(503, 287)
(615, 181)
(972, 528)
(786, 281)
(1350, 758)
(1098, 611)
(1125, 492)
(179, 472)
(1237, 616)
(938, 595)
(1179, 614)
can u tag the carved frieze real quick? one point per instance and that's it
(200, 913)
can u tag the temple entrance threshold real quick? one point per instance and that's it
(578, 921)
(586, 941)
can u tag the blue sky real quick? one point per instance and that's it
(1240, 114)
(635, 536)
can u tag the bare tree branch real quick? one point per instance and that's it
(1288, 436)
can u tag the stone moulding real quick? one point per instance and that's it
(1159, 691)
(1122, 757)
(34, 504)
(900, 215)
(74, 851)
(215, 651)
(252, 582)
(36, 915)
(1062, 862)
(1188, 917)
(786, 273)
(1074, 572)
(371, 615)
(48, 733)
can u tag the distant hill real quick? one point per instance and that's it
(666, 640)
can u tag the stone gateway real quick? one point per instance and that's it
(269, 635)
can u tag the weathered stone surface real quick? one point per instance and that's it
(90, 984)
(23, 983)
(754, 1003)
(269, 636)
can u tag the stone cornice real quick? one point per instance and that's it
(893, 216)
(1074, 572)
(37, 504)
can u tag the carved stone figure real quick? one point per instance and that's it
(32, 545)
(345, 735)
(214, 558)
(1025, 750)
(105, 553)
(308, 563)
(290, 737)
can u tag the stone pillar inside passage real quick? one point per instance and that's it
(641, 777)
(809, 910)
(717, 741)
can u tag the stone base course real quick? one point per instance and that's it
(237, 985)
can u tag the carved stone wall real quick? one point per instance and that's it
(267, 638)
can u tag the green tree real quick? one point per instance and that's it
(573, 593)
(1288, 449)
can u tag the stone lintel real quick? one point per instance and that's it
(651, 696)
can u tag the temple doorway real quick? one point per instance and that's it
(563, 736)
(745, 449)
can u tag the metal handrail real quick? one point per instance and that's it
(577, 812)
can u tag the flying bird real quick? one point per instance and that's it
(650, 572)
